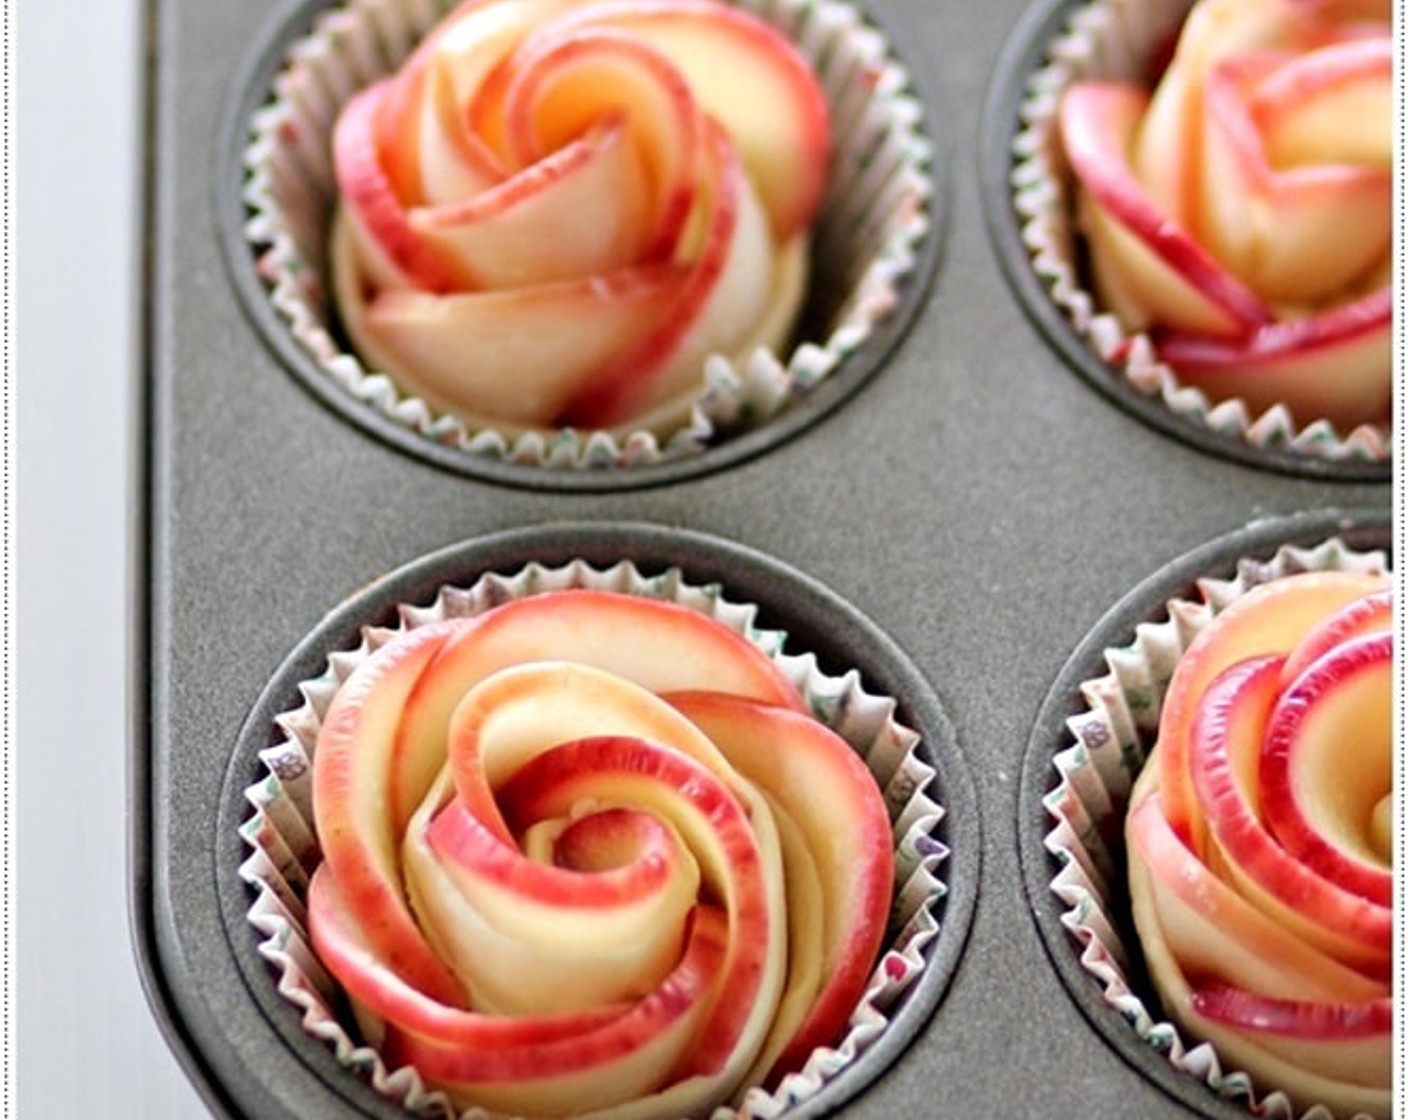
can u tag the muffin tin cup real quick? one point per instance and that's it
(1093, 731)
(805, 629)
(1029, 216)
(875, 244)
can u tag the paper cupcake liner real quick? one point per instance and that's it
(284, 848)
(1112, 737)
(875, 216)
(1113, 39)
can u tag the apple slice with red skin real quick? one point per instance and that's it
(1336, 365)
(434, 130)
(340, 942)
(503, 358)
(556, 88)
(1212, 931)
(517, 713)
(482, 899)
(1157, 261)
(735, 855)
(815, 780)
(1168, 146)
(1240, 1049)
(429, 154)
(1353, 1039)
(659, 645)
(627, 1070)
(1368, 614)
(528, 230)
(749, 79)
(730, 287)
(1302, 235)
(383, 243)
(1326, 765)
(1332, 105)
(1225, 752)
(1271, 618)
(355, 821)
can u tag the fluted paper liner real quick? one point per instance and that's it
(875, 214)
(1112, 737)
(285, 850)
(1112, 39)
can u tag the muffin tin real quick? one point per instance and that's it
(953, 522)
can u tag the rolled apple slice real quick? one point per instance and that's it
(729, 290)
(1270, 619)
(1350, 1040)
(1369, 614)
(1218, 935)
(1299, 236)
(1226, 749)
(1146, 253)
(423, 146)
(1239, 1049)
(838, 826)
(740, 863)
(659, 645)
(557, 88)
(1336, 364)
(1326, 766)
(1168, 147)
(453, 349)
(746, 77)
(376, 235)
(614, 1071)
(354, 808)
(528, 230)
(1331, 105)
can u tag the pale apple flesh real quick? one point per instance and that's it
(1262, 894)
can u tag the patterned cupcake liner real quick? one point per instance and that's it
(284, 848)
(866, 239)
(1114, 39)
(1110, 739)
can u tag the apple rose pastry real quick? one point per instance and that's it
(557, 209)
(1260, 855)
(585, 853)
(1240, 212)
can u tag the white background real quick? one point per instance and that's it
(87, 1044)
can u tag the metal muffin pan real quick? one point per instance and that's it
(971, 501)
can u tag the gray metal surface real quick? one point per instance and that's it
(975, 500)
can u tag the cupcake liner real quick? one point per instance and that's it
(1113, 39)
(1110, 738)
(866, 238)
(284, 849)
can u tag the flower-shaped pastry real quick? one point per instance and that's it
(1241, 213)
(556, 210)
(1260, 855)
(586, 853)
